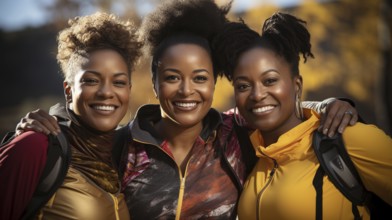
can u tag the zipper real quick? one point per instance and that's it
(182, 189)
(270, 177)
(182, 178)
(115, 203)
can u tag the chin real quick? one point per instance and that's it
(105, 126)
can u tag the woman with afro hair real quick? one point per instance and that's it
(267, 84)
(97, 54)
(184, 161)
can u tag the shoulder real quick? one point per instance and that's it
(367, 139)
(365, 133)
(27, 146)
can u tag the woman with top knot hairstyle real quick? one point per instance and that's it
(267, 84)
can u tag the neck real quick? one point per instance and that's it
(272, 136)
(178, 136)
(180, 139)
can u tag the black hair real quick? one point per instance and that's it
(289, 38)
(282, 33)
(234, 39)
(182, 21)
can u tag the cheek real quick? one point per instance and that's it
(124, 95)
(166, 90)
(78, 97)
(207, 91)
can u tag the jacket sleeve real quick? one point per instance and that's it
(371, 152)
(22, 161)
(320, 106)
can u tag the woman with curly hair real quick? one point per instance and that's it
(267, 84)
(97, 54)
(184, 161)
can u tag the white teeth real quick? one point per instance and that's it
(262, 109)
(185, 104)
(104, 107)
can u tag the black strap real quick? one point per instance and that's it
(355, 212)
(55, 170)
(120, 148)
(318, 185)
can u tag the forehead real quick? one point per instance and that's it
(192, 52)
(257, 61)
(104, 56)
(104, 61)
(261, 58)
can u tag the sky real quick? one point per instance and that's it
(17, 14)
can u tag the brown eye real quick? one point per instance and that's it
(120, 83)
(89, 81)
(172, 78)
(200, 79)
(270, 81)
(242, 87)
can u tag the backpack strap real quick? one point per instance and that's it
(337, 165)
(120, 149)
(318, 185)
(55, 170)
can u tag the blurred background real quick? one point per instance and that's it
(351, 41)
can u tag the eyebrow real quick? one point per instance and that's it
(178, 71)
(263, 73)
(99, 74)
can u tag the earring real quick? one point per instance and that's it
(237, 115)
(69, 98)
(298, 108)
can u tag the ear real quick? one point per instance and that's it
(67, 91)
(154, 87)
(298, 85)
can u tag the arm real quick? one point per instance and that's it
(336, 114)
(371, 152)
(21, 166)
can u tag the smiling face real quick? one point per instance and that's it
(100, 90)
(265, 91)
(185, 84)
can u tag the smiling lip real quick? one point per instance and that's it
(263, 109)
(189, 105)
(105, 109)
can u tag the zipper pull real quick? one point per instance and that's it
(182, 183)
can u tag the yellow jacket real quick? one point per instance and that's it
(289, 194)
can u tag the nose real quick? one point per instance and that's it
(186, 88)
(105, 91)
(258, 93)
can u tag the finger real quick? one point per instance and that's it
(44, 120)
(335, 122)
(354, 117)
(329, 116)
(51, 120)
(33, 125)
(322, 121)
(23, 127)
(344, 123)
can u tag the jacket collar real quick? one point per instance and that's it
(142, 126)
